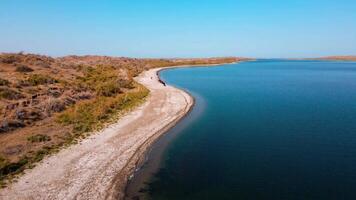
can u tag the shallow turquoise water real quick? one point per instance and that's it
(270, 129)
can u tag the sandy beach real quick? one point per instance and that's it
(99, 166)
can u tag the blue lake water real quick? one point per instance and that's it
(269, 129)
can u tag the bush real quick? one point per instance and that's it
(39, 138)
(39, 79)
(23, 68)
(8, 169)
(43, 64)
(9, 125)
(4, 82)
(104, 81)
(125, 83)
(3, 162)
(54, 105)
(8, 58)
(108, 89)
(10, 94)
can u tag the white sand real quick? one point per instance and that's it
(98, 167)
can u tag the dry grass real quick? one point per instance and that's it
(10, 94)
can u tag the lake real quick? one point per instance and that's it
(268, 129)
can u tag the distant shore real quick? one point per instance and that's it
(335, 58)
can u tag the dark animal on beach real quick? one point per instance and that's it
(163, 83)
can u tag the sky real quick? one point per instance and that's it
(179, 28)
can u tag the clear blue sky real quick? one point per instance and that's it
(179, 28)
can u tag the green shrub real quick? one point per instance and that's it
(39, 138)
(86, 115)
(104, 81)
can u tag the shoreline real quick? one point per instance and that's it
(100, 166)
(135, 164)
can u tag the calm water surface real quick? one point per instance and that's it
(268, 129)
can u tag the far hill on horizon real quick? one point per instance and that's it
(341, 58)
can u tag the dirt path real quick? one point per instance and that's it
(99, 166)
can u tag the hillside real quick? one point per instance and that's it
(47, 103)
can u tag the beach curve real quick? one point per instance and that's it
(100, 165)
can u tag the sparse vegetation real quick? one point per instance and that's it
(177, 62)
(39, 138)
(9, 58)
(87, 115)
(4, 82)
(10, 94)
(9, 169)
(23, 68)
(103, 80)
(108, 89)
(39, 79)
